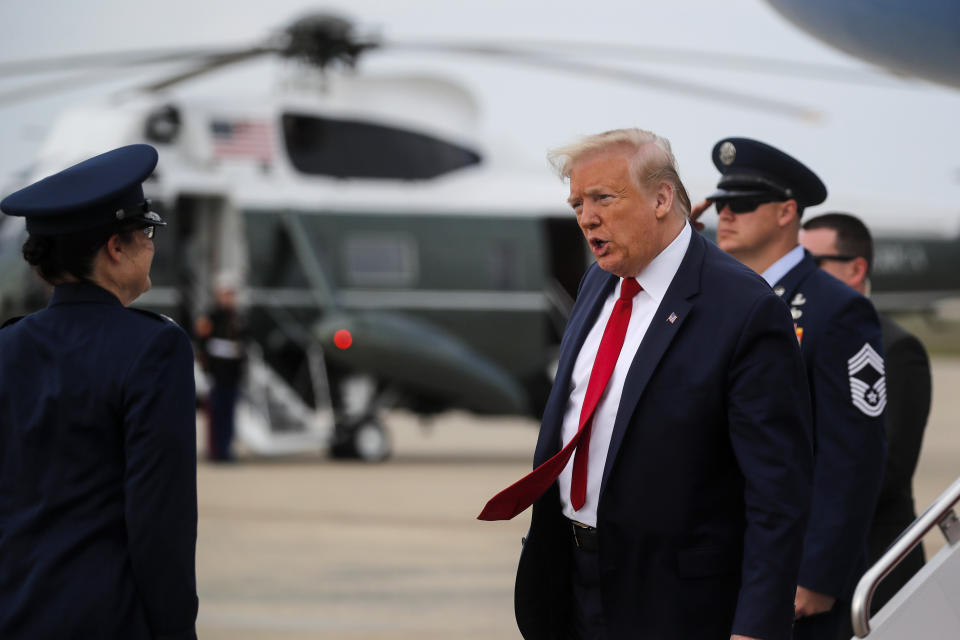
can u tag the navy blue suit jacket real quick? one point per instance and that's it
(98, 502)
(706, 488)
(839, 329)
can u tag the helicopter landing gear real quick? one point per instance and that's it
(359, 434)
(362, 439)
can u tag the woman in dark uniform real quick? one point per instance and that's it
(98, 503)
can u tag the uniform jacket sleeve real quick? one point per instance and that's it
(161, 482)
(849, 453)
(908, 383)
(770, 430)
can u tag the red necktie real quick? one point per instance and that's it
(525, 491)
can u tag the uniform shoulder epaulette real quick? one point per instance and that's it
(10, 322)
(154, 315)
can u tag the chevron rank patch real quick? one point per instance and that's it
(868, 384)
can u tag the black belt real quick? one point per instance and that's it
(584, 536)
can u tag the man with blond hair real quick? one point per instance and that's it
(672, 472)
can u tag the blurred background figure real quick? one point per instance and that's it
(843, 247)
(222, 334)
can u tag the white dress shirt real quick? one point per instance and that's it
(782, 267)
(655, 279)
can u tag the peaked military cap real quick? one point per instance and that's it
(97, 192)
(751, 168)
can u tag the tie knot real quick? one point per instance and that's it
(629, 288)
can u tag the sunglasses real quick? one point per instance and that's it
(820, 259)
(743, 205)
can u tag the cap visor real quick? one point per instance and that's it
(741, 193)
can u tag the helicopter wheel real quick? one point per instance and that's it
(366, 440)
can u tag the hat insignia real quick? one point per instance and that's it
(728, 153)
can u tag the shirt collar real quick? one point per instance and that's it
(656, 277)
(782, 267)
(73, 292)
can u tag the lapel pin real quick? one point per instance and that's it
(779, 290)
(672, 318)
(798, 300)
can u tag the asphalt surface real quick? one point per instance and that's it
(304, 547)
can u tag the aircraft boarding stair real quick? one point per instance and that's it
(928, 606)
(272, 418)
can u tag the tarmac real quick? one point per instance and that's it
(308, 548)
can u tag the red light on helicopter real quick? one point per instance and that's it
(342, 339)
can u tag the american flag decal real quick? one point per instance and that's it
(242, 139)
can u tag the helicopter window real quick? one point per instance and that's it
(381, 260)
(351, 149)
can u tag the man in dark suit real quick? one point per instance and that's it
(681, 389)
(841, 244)
(760, 198)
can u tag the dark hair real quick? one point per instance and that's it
(853, 237)
(70, 254)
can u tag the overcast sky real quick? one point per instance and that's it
(889, 147)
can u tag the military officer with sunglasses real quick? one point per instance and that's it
(98, 494)
(760, 200)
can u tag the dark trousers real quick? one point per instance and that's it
(223, 401)
(587, 622)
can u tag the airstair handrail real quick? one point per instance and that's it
(939, 513)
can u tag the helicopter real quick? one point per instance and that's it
(350, 204)
(335, 208)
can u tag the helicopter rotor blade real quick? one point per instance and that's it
(324, 39)
(212, 64)
(693, 89)
(207, 64)
(719, 60)
(109, 59)
(661, 55)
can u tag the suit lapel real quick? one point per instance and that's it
(594, 295)
(676, 304)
